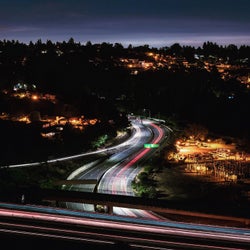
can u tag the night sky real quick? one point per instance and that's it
(157, 23)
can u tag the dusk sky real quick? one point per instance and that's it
(157, 23)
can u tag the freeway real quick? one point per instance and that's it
(115, 174)
(96, 171)
(118, 179)
(46, 225)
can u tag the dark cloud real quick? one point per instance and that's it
(125, 20)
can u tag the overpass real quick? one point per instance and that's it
(57, 228)
(163, 207)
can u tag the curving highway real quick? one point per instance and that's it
(115, 174)
(118, 179)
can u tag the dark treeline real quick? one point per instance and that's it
(84, 74)
(14, 50)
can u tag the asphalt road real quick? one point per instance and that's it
(115, 174)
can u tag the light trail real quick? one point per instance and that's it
(129, 226)
(66, 158)
(52, 211)
(139, 156)
(121, 179)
